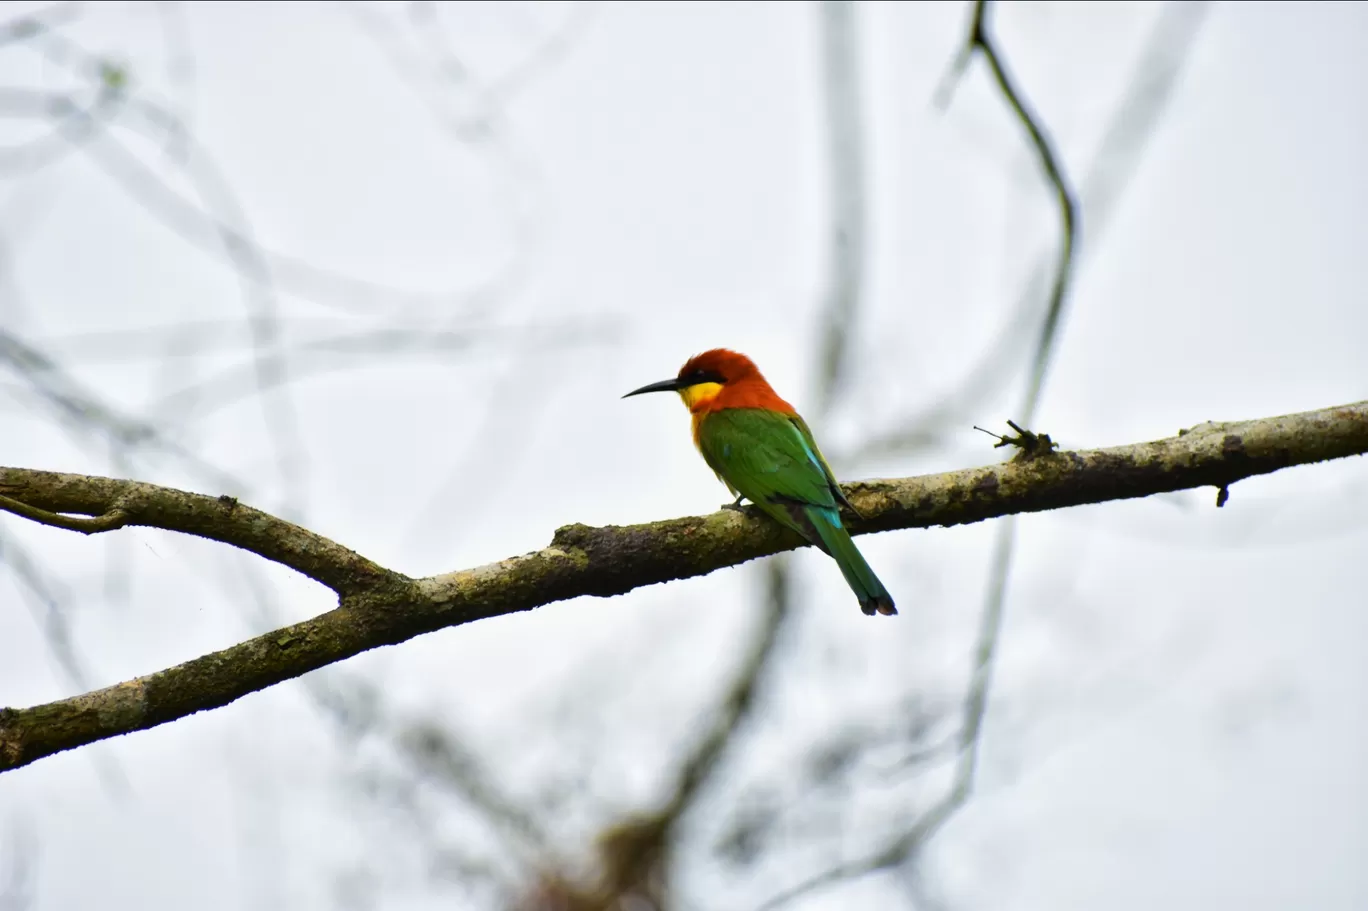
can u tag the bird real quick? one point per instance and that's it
(758, 445)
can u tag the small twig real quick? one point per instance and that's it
(115, 518)
(945, 90)
(1029, 442)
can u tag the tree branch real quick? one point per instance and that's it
(635, 850)
(42, 495)
(981, 41)
(381, 607)
(1131, 125)
(115, 518)
(848, 240)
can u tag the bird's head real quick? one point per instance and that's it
(704, 376)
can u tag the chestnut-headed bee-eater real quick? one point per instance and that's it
(764, 452)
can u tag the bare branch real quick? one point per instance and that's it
(981, 42)
(990, 623)
(1131, 125)
(50, 606)
(18, 866)
(846, 169)
(901, 848)
(736, 707)
(1137, 116)
(28, 25)
(1068, 206)
(80, 408)
(216, 518)
(381, 607)
(439, 753)
(115, 518)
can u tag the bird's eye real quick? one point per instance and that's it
(703, 376)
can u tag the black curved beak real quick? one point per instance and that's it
(662, 386)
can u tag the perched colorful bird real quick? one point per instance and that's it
(764, 452)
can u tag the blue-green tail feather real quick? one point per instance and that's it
(836, 541)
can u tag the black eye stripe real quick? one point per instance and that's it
(695, 377)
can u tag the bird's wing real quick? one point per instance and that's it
(821, 460)
(766, 457)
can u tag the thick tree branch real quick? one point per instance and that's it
(379, 607)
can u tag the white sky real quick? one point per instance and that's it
(1178, 713)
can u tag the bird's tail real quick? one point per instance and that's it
(836, 541)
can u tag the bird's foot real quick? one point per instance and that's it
(735, 504)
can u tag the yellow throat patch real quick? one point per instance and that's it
(701, 392)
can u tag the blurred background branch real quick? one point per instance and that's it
(906, 846)
(636, 853)
(18, 865)
(1130, 127)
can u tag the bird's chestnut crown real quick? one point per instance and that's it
(719, 365)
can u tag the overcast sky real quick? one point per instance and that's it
(1178, 715)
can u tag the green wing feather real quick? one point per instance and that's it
(765, 457)
(771, 459)
(821, 460)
